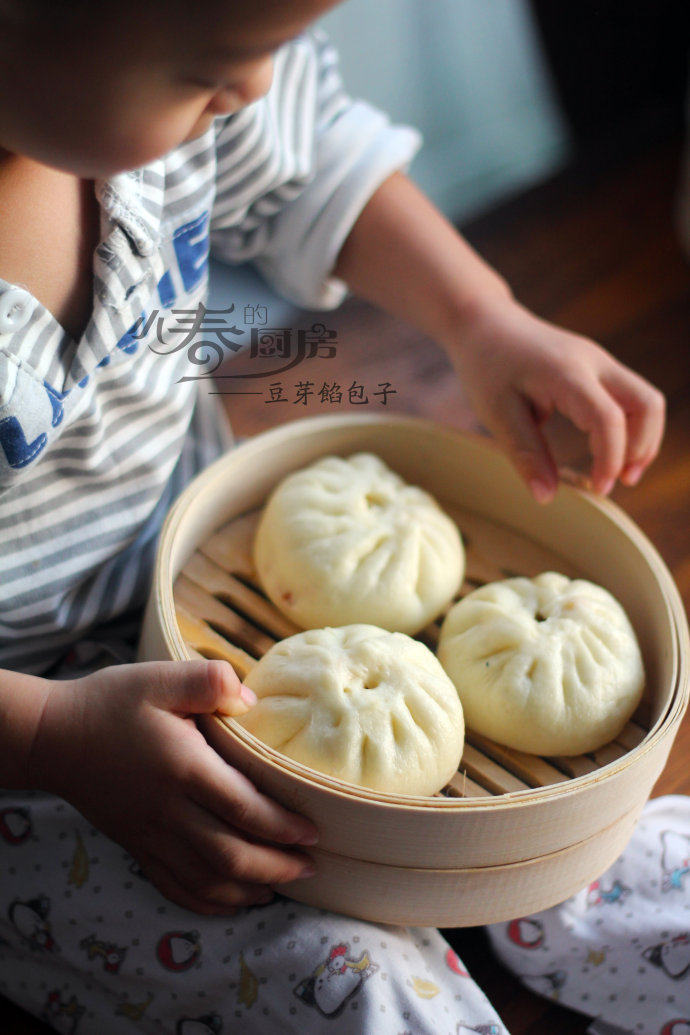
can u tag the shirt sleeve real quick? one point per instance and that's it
(295, 169)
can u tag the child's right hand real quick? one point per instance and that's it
(121, 746)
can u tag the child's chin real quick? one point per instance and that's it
(198, 130)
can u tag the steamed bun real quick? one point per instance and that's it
(347, 540)
(367, 706)
(545, 665)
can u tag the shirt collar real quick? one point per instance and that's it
(134, 200)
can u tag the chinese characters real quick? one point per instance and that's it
(301, 393)
(209, 335)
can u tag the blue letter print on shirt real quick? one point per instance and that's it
(191, 243)
(166, 290)
(191, 248)
(18, 451)
(56, 400)
(129, 341)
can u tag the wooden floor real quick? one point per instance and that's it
(593, 250)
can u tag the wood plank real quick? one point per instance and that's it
(204, 642)
(488, 773)
(221, 584)
(608, 753)
(461, 786)
(531, 769)
(577, 765)
(197, 601)
(631, 735)
(231, 546)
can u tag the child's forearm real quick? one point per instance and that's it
(516, 369)
(22, 699)
(403, 255)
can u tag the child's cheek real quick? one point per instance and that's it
(145, 135)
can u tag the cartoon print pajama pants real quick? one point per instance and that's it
(87, 944)
(619, 950)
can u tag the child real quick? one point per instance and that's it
(131, 133)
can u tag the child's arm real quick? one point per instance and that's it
(516, 368)
(121, 746)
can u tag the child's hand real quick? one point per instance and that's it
(120, 746)
(518, 369)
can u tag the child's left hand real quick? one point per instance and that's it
(517, 370)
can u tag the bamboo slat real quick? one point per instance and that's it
(579, 765)
(225, 587)
(531, 768)
(489, 774)
(461, 786)
(608, 753)
(205, 642)
(631, 735)
(231, 548)
(220, 617)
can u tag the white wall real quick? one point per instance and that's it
(470, 75)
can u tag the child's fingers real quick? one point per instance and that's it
(188, 864)
(190, 888)
(197, 687)
(231, 856)
(227, 793)
(645, 410)
(169, 887)
(590, 407)
(513, 424)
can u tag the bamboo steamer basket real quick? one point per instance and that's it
(512, 833)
